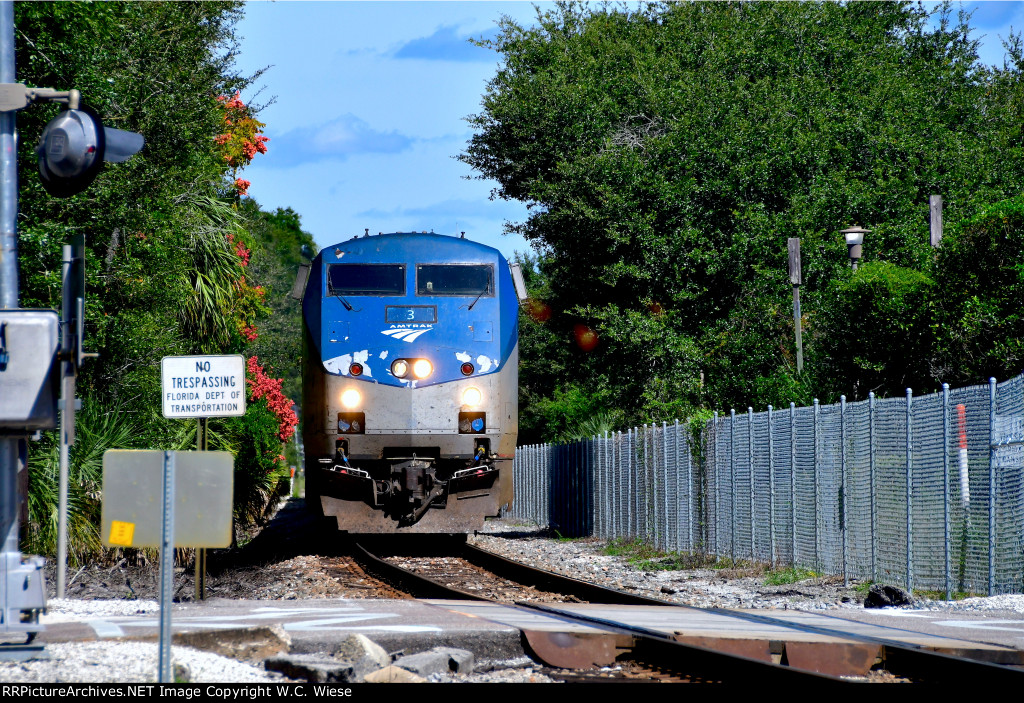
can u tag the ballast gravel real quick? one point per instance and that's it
(136, 662)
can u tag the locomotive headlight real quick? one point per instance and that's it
(421, 368)
(471, 396)
(351, 398)
(400, 369)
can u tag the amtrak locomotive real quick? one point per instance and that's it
(410, 373)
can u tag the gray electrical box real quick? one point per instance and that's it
(29, 384)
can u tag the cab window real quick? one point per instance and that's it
(454, 279)
(366, 279)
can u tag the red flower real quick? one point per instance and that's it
(261, 385)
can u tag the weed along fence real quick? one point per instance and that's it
(926, 492)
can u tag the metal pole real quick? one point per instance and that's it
(8, 282)
(645, 468)
(814, 476)
(14, 571)
(798, 325)
(750, 474)
(718, 483)
(166, 571)
(631, 485)
(842, 483)
(871, 481)
(792, 477)
(8, 171)
(665, 484)
(991, 488)
(732, 486)
(771, 490)
(947, 562)
(910, 491)
(67, 396)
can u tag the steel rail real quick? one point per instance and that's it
(912, 660)
(649, 647)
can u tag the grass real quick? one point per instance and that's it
(792, 574)
(941, 595)
(645, 557)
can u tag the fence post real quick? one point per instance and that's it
(679, 515)
(991, 488)
(629, 482)
(871, 482)
(750, 477)
(615, 515)
(639, 487)
(792, 477)
(652, 502)
(910, 492)
(601, 490)
(945, 491)
(718, 499)
(732, 485)
(842, 483)
(817, 499)
(665, 484)
(771, 491)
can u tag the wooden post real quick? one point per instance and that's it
(796, 279)
(202, 444)
(935, 206)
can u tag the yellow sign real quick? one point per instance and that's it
(121, 533)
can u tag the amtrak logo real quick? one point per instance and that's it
(407, 334)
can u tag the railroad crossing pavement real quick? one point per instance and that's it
(493, 631)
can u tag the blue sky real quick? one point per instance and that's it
(369, 108)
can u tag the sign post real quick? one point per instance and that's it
(163, 499)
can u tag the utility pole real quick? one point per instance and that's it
(72, 150)
(21, 580)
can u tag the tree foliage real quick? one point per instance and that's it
(668, 151)
(176, 262)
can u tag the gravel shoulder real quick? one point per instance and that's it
(291, 570)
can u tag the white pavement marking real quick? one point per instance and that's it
(338, 618)
(986, 625)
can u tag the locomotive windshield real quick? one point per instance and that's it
(366, 279)
(454, 279)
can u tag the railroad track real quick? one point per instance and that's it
(458, 571)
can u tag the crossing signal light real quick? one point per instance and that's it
(74, 146)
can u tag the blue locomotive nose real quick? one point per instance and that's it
(410, 366)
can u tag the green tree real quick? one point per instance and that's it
(168, 247)
(279, 237)
(668, 151)
(879, 332)
(979, 323)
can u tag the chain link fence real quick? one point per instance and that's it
(924, 492)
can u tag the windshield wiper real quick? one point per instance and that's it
(331, 291)
(477, 299)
